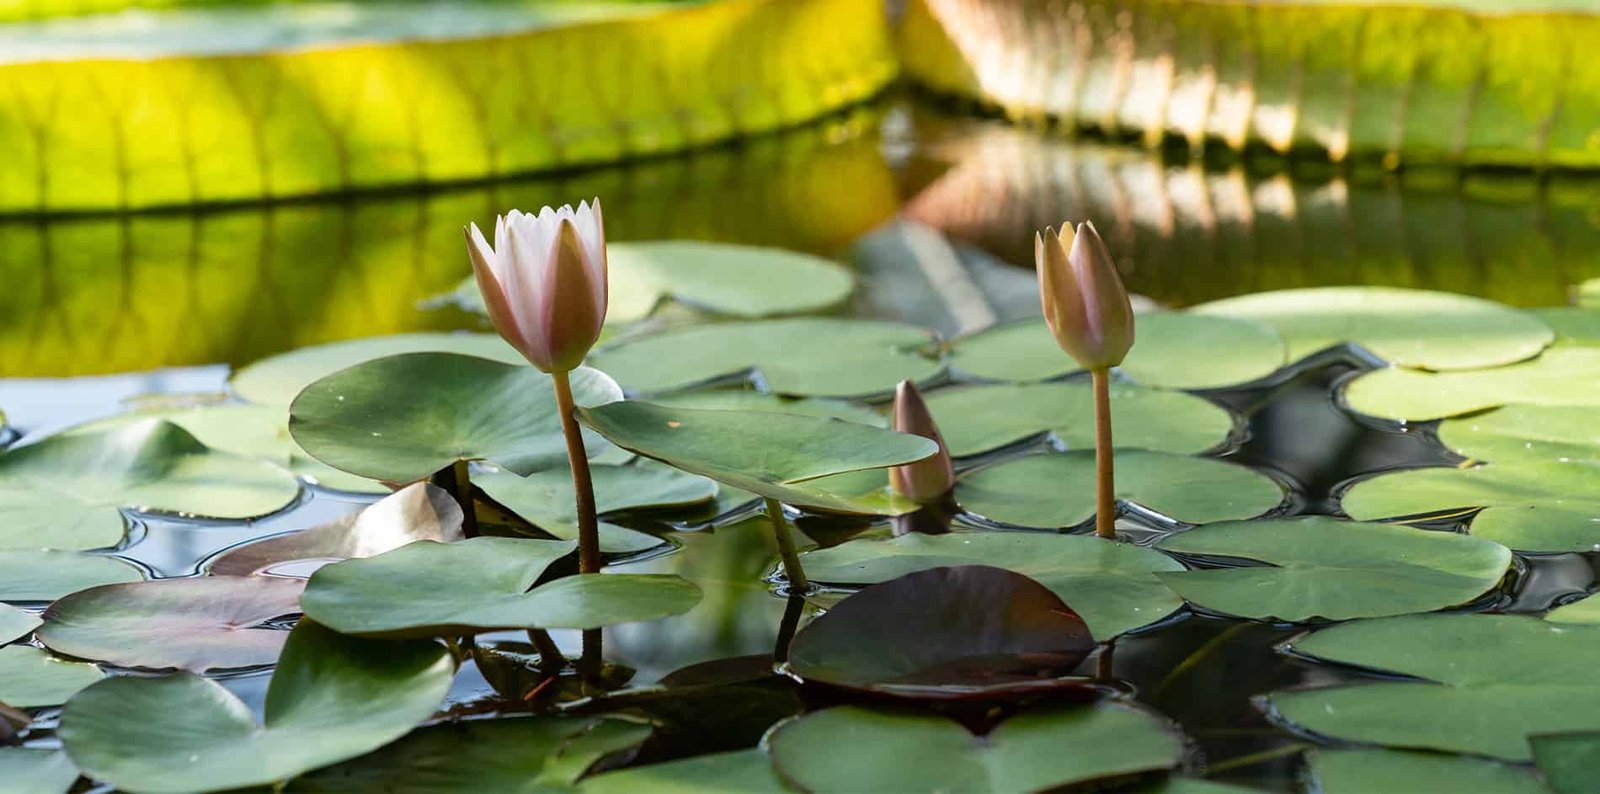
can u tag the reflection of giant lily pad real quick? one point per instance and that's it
(186, 624)
(405, 417)
(1057, 490)
(1562, 376)
(970, 631)
(1383, 771)
(1527, 506)
(1112, 585)
(276, 380)
(806, 357)
(1406, 327)
(740, 280)
(743, 771)
(64, 491)
(429, 589)
(545, 498)
(30, 771)
(331, 698)
(1320, 567)
(15, 623)
(1174, 350)
(30, 677)
(776, 455)
(976, 419)
(48, 575)
(855, 749)
(1489, 682)
(420, 511)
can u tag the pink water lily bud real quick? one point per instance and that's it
(544, 282)
(1085, 303)
(926, 481)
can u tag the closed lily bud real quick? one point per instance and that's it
(544, 282)
(1084, 301)
(926, 481)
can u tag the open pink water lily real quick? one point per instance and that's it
(544, 282)
(1085, 303)
(929, 480)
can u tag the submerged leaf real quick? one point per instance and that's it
(976, 419)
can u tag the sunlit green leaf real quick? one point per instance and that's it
(1562, 376)
(48, 575)
(279, 379)
(1527, 506)
(976, 419)
(30, 677)
(747, 400)
(1584, 611)
(1520, 433)
(1386, 771)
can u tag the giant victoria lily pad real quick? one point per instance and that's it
(48, 575)
(1111, 585)
(1324, 568)
(546, 498)
(31, 678)
(331, 698)
(803, 357)
(424, 590)
(975, 419)
(404, 417)
(1562, 376)
(1490, 681)
(279, 379)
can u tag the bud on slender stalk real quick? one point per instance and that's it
(544, 282)
(929, 480)
(1085, 303)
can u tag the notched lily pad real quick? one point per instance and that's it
(1562, 376)
(946, 634)
(185, 624)
(48, 575)
(1384, 771)
(429, 589)
(32, 678)
(1058, 490)
(1583, 611)
(278, 379)
(976, 419)
(404, 417)
(1544, 507)
(546, 498)
(1323, 568)
(16, 623)
(800, 357)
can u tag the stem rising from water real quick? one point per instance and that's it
(461, 489)
(786, 548)
(1105, 514)
(582, 484)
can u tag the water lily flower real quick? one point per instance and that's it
(1085, 303)
(929, 480)
(544, 282)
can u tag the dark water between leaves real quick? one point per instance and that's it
(936, 213)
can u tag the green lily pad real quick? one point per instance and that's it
(801, 357)
(30, 771)
(739, 280)
(546, 498)
(420, 511)
(1585, 611)
(736, 772)
(279, 379)
(1058, 490)
(777, 455)
(16, 623)
(419, 590)
(1574, 325)
(1387, 771)
(1409, 328)
(1325, 568)
(1175, 350)
(746, 400)
(528, 754)
(1562, 376)
(1111, 585)
(332, 698)
(48, 575)
(853, 749)
(975, 419)
(64, 492)
(32, 678)
(1491, 681)
(1569, 762)
(1548, 507)
(1526, 433)
(405, 417)
(185, 624)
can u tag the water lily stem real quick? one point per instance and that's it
(1105, 514)
(550, 658)
(786, 548)
(582, 485)
(461, 489)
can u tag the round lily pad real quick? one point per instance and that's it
(801, 357)
(852, 749)
(32, 771)
(1574, 325)
(1490, 681)
(777, 455)
(332, 698)
(185, 624)
(743, 771)
(32, 678)
(1410, 328)
(16, 623)
(1111, 585)
(278, 379)
(739, 280)
(1548, 507)
(546, 498)
(1562, 376)
(975, 419)
(1584, 611)
(1175, 350)
(1523, 433)
(420, 511)
(404, 417)
(48, 575)
(1568, 761)
(1057, 490)
(1324, 568)
(969, 631)
(420, 590)
(1386, 771)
